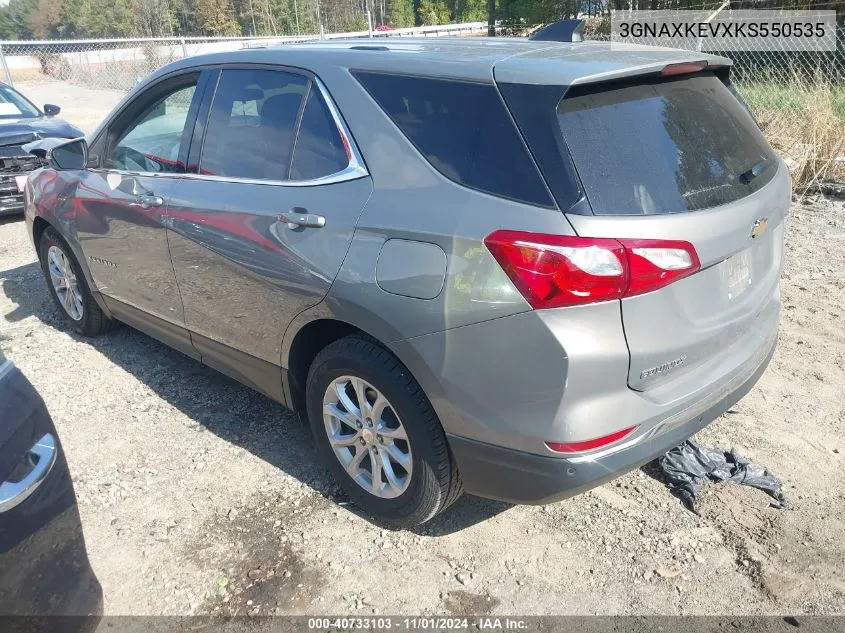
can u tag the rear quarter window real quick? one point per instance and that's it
(463, 130)
(664, 146)
(319, 149)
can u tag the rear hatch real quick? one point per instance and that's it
(677, 157)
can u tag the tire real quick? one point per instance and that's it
(91, 320)
(433, 482)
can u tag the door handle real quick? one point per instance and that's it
(298, 217)
(13, 493)
(146, 201)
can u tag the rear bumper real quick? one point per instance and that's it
(519, 477)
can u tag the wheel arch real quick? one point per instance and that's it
(304, 341)
(317, 327)
(41, 224)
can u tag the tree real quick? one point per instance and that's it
(98, 18)
(28, 19)
(215, 17)
(14, 20)
(401, 13)
(153, 18)
(46, 19)
(433, 12)
(470, 10)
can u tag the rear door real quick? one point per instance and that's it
(259, 230)
(680, 158)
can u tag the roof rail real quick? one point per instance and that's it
(560, 31)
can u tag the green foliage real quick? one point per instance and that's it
(155, 18)
(470, 10)
(96, 18)
(215, 18)
(358, 23)
(14, 19)
(401, 13)
(792, 98)
(434, 12)
(45, 19)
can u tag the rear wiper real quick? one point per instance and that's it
(747, 176)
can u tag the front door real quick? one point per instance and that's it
(122, 202)
(259, 232)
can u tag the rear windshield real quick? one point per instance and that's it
(665, 146)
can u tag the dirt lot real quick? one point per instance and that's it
(84, 107)
(199, 496)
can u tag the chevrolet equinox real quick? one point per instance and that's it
(509, 267)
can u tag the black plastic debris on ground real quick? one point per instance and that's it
(687, 467)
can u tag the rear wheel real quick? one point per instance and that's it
(378, 433)
(68, 287)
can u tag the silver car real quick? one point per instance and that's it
(508, 267)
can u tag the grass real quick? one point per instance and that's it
(804, 121)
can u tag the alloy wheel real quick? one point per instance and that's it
(65, 283)
(367, 437)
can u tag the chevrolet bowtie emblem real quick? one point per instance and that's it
(759, 227)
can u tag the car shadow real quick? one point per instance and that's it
(17, 284)
(652, 469)
(465, 513)
(217, 404)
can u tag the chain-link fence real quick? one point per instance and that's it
(777, 63)
(798, 97)
(119, 63)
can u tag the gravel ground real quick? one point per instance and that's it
(198, 495)
(83, 107)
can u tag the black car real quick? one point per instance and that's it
(22, 122)
(44, 567)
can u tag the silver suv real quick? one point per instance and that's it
(508, 267)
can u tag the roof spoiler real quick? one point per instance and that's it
(560, 31)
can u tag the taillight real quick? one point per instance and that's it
(653, 264)
(588, 445)
(553, 271)
(560, 270)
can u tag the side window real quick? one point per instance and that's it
(320, 150)
(252, 123)
(151, 142)
(463, 130)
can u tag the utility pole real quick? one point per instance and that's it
(296, 13)
(491, 18)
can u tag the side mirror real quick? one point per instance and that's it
(61, 153)
(71, 155)
(51, 109)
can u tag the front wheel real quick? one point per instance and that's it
(68, 287)
(379, 434)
